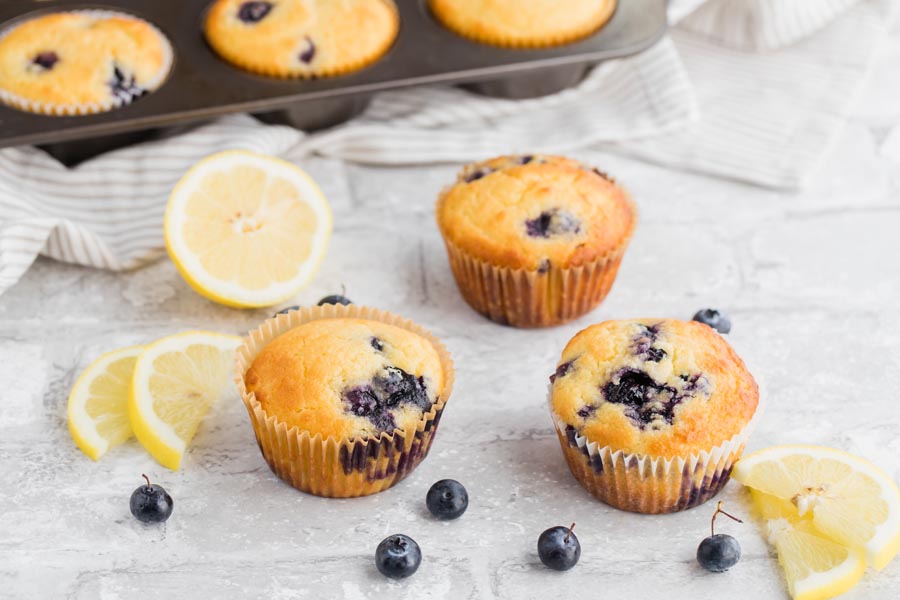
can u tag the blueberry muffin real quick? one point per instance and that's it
(652, 413)
(517, 24)
(301, 38)
(81, 62)
(345, 400)
(534, 240)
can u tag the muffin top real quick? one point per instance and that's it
(528, 212)
(63, 61)
(531, 24)
(347, 378)
(657, 387)
(301, 38)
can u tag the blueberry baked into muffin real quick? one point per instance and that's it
(534, 240)
(353, 397)
(81, 62)
(301, 38)
(517, 24)
(652, 413)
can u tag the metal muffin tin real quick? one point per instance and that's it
(201, 85)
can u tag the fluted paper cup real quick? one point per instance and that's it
(650, 484)
(536, 298)
(331, 467)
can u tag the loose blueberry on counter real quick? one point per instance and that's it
(254, 12)
(285, 311)
(447, 499)
(151, 503)
(398, 556)
(46, 60)
(714, 318)
(334, 299)
(559, 548)
(719, 552)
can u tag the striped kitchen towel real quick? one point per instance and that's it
(108, 212)
(699, 100)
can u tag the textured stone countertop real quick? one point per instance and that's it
(812, 283)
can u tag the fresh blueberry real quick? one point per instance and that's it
(46, 60)
(447, 499)
(558, 548)
(254, 12)
(334, 299)
(715, 319)
(398, 556)
(285, 311)
(151, 503)
(309, 53)
(377, 344)
(719, 552)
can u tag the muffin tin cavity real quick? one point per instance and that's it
(201, 85)
(78, 61)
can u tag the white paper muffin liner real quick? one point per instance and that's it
(650, 484)
(68, 110)
(345, 467)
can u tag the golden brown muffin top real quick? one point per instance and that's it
(82, 58)
(347, 378)
(657, 387)
(301, 38)
(529, 24)
(526, 212)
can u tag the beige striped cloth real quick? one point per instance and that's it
(748, 89)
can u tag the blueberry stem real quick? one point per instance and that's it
(568, 533)
(712, 523)
(148, 480)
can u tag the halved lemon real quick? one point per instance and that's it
(848, 499)
(176, 381)
(98, 402)
(815, 567)
(247, 230)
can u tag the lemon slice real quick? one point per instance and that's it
(176, 381)
(816, 568)
(98, 402)
(247, 230)
(848, 499)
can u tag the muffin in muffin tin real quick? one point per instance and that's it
(534, 240)
(301, 38)
(81, 62)
(652, 413)
(516, 24)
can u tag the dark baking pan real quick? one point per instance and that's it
(201, 85)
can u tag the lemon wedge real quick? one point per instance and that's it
(176, 381)
(98, 402)
(848, 499)
(815, 567)
(247, 230)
